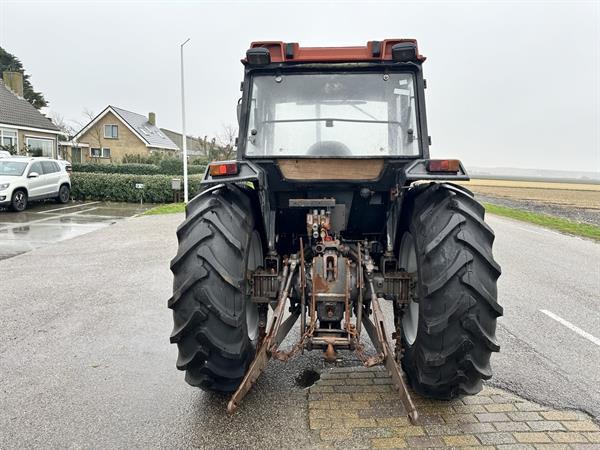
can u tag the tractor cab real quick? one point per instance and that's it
(320, 221)
(333, 103)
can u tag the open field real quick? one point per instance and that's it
(534, 184)
(584, 196)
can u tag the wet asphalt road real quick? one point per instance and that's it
(44, 223)
(85, 359)
(540, 357)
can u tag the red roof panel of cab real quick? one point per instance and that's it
(293, 52)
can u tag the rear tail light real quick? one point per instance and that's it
(443, 165)
(220, 169)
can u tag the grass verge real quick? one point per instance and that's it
(169, 208)
(554, 223)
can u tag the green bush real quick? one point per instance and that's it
(153, 158)
(134, 169)
(199, 161)
(121, 187)
(170, 166)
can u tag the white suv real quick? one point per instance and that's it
(24, 179)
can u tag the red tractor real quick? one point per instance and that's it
(332, 208)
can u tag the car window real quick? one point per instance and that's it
(36, 167)
(12, 168)
(50, 167)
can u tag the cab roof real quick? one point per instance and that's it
(281, 52)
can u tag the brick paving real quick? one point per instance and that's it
(356, 407)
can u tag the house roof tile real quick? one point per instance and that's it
(150, 133)
(19, 112)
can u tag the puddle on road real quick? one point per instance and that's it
(24, 238)
(46, 223)
(82, 220)
(116, 212)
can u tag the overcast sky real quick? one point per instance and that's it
(510, 84)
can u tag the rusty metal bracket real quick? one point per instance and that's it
(376, 331)
(264, 284)
(377, 334)
(398, 286)
(302, 291)
(278, 329)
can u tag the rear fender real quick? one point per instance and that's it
(414, 171)
(246, 172)
(417, 171)
(253, 177)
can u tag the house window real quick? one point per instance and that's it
(111, 131)
(100, 152)
(8, 138)
(40, 147)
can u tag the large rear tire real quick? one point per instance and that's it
(215, 324)
(449, 332)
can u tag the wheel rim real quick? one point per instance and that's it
(408, 261)
(20, 201)
(255, 259)
(64, 193)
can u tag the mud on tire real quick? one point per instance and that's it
(217, 245)
(457, 304)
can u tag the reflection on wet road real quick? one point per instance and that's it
(46, 223)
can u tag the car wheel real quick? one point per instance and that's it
(64, 194)
(19, 201)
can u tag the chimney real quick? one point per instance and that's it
(13, 81)
(152, 118)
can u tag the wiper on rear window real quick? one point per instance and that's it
(330, 119)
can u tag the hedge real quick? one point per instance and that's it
(121, 187)
(134, 169)
(164, 167)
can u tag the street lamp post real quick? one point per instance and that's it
(183, 135)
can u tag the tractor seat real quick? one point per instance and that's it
(329, 148)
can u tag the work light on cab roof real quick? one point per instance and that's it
(334, 216)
